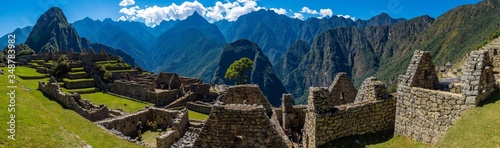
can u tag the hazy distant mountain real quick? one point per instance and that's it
(52, 33)
(191, 48)
(380, 20)
(262, 72)
(291, 59)
(114, 34)
(21, 36)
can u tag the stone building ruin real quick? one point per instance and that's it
(424, 111)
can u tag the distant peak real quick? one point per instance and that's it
(384, 15)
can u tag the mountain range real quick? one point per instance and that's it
(299, 53)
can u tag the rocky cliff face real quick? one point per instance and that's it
(53, 33)
(262, 72)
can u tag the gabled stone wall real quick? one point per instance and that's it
(424, 113)
(342, 91)
(240, 125)
(246, 94)
(326, 123)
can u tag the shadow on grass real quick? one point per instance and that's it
(494, 97)
(360, 141)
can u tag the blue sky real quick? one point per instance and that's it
(15, 14)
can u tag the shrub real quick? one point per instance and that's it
(61, 67)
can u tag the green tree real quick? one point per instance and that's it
(237, 70)
(61, 67)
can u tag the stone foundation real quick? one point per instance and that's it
(83, 107)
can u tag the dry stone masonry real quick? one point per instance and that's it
(83, 107)
(424, 113)
(374, 111)
(341, 90)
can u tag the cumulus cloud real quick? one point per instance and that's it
(308, 11)
(298, 16)
(347, 17)
(122, 18)
(325, 12)
(279, 10)
(232, 14)
(127, 2)
(154, 15)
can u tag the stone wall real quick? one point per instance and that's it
(240, 125)
(83, 107)
(181, 102)
(246, 94)
(342, 91)
(79, 84)
(78, 75)
(127, 124)
(141, 92)
(424, 113)
(292, 117)
(199, 107)
(168, 80)
(327, 124)
(372, 89)
(477, 77)
(421, 72)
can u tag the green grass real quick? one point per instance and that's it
(80, 72)
(479, 127)
(128, 70)
(77, 80)
(382, 139)
(77, 69)
(41, 122)
(196, 115)
(26, 71)
(114, 102)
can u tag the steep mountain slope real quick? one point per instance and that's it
(190, 48)
(52, 33)
(21, 36)
(111, 34)
(382, 19)
(262, 72)
(291, 59)
(273, 32)
(448, 38)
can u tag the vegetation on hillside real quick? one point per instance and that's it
(490, 38)
(237, 70)
(61, 67)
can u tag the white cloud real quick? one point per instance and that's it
(308, 11)
(129, 11)
(279, 11)
(325, 12)
(235, 12)
(154, 15)
(298, 16)
(127, 2)
(347, 17)
(122, 18)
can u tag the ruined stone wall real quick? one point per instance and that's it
(140, 92)
(426, 114)
(168, 80)
(292, 117)
(163, 97)
(421, 72)
(83, 107)
(324, 125)
(79, 84)
(199, 107)
(127, 124)
(239, 125)
(202, 89)
(246, 94)
(372, 89)
(477, 77)
(342, 91)
(181, 102)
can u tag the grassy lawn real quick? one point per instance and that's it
(77, 69)
(26, 71)
(382, 139)
(114, 102)
(196, 115)
(479, 127)
(78, 80)
(81, 72)
(41, 122)
(128, 70)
